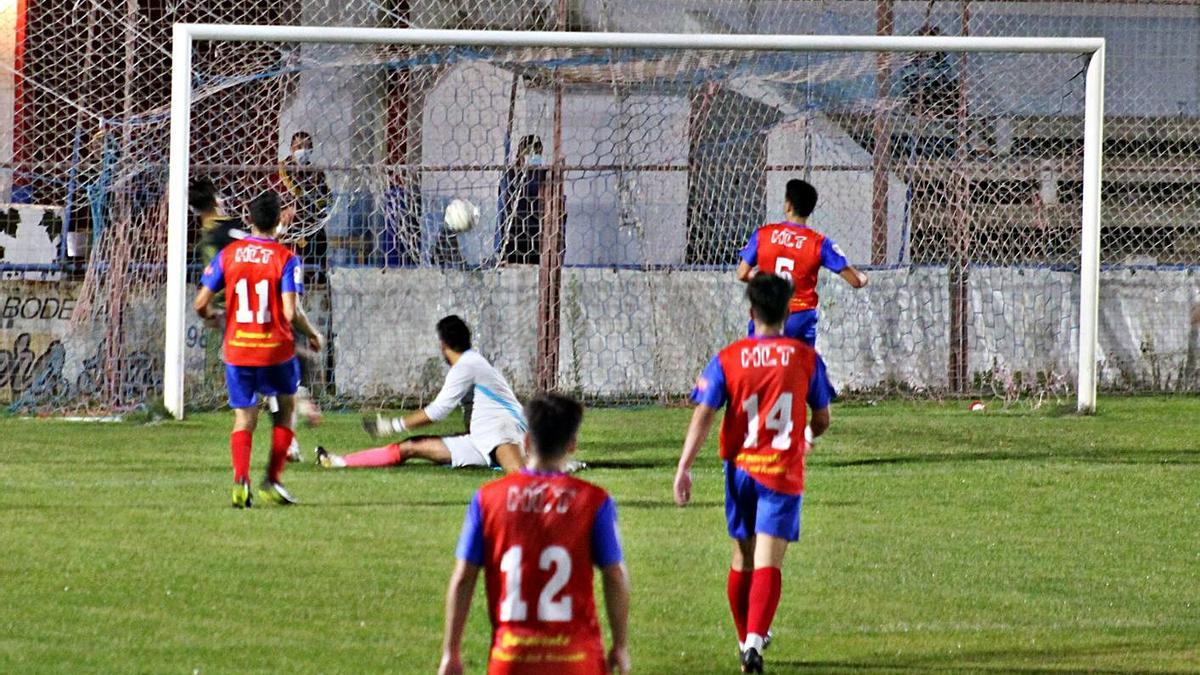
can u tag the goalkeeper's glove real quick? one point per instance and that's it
(383, 426)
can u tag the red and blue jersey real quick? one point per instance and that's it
(537, 537)
(257, 273)
(769, 384)
(796, 252)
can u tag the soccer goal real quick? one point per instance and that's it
(617, 176)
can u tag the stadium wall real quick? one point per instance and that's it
(891, 335)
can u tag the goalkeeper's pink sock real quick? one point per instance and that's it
(388, 455)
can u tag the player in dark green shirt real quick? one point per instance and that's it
(214, 230)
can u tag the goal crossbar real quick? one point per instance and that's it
(181, 97)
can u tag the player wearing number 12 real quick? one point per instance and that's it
(266, 279)
(796, 252)
(536, 535)
(769, 383)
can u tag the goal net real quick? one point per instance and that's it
(667, 158)
(617, 186)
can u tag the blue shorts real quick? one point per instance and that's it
(800, 325)
(751, 508)
(246, 382)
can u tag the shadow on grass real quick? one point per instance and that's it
(633, 447)
(1114, 456)
(666, 503)
(833, 667)
(376, 504)
(985, 661)
(631, 463)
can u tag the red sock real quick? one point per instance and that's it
(385, 456)
(764, 600)
(281, 439)
(737, 587)
(239, 451)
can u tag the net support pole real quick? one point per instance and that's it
(551, 261)
(885, 23)
(177, 213)
(1089, 260)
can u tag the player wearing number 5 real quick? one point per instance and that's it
(536, 535)
(769, 382)
(265, 280)
(795, 251)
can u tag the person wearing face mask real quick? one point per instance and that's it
(523, 204)
(307, 192)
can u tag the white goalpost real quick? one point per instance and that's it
(178, 303)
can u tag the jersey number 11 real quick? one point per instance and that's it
(244, 315)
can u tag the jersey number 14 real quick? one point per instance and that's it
(779, 420)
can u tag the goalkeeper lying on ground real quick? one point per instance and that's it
(496, 428)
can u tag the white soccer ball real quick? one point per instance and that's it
(461, 215)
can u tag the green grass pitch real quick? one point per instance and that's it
(934, 540)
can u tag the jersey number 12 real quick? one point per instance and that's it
(513, 608)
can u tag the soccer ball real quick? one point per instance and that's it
(461, 215)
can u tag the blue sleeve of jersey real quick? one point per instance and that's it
(832, 257)
(470, 542)
(710, 388)
(214, 274)
(820, 390)
(750, 252)
(293, 277)
(606, 541)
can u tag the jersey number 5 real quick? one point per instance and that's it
(513, 608)
(778, 420)
(784, 267)
(244, 315)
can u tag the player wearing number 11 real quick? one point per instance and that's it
(265, 280)
(769, 382)
(536, 535)
(796, 252)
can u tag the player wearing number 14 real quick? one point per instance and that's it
(266, 279)
(769, 383)
(536, 535)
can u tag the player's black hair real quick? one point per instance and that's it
(202, 194)
(301, 135)
(769, 296)
(264, 211)
(554, 420)
(802, 196)
(453, 333)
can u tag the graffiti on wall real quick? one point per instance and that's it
(39, 363)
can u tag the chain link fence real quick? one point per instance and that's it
(616, 190)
